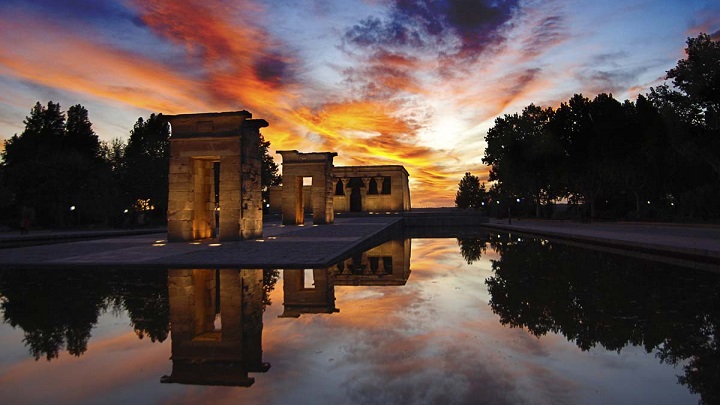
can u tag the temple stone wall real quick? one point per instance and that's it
(318, 166)
(202, 353)
(359, 189)
(386, 264)
(298, 300)
(366, 188)
(197, 143)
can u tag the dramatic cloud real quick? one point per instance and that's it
(410, 82)
(459, 28)
(106, 73)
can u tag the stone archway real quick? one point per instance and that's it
(197, 143)
(318, 166)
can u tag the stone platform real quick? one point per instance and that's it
(691, 245)
(280, 247)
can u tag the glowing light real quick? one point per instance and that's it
(72, 208)
(143, 205)
(158, 244)
(215, 244)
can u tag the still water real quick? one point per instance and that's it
(494, 319)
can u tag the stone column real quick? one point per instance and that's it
(292, 200)
(346, 183)
(379, 183)
(251, 215)
(180, 198)
(322, 197)
(203, 201)
(364, 192)
(230, 197)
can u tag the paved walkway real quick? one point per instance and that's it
(697, 243)
(281, 247)
(43, 237)
(321, 246)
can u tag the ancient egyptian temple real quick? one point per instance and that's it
(378, 189)
(215, 185)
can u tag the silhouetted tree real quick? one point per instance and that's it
(113, 152)
(470, 194)
(145, 166)
(691, 114)
(523, 157)
(698, 75)
(79, 135)
(698, 78)
(51, 166)
(269, 171)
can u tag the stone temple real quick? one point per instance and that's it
(214, 178)
(215, 185)
(350, 188)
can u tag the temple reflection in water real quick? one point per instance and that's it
(216, 315)
(312, 291)
(216, 326)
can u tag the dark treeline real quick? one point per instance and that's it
(614, 302)
(57, 173)
(657, 157)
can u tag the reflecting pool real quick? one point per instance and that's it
(494, 318)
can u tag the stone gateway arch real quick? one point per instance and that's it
(214, 179)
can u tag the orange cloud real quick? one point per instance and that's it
(254, 72)
(236, 63)
(75, 64)
(67, 379)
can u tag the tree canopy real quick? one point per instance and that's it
(470, 194)
(656, 157)
(54, 165)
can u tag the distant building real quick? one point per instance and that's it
(381, 188)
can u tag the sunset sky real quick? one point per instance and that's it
(410, 82)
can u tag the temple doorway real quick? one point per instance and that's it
(355, 185)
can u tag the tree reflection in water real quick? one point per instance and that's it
(57, 308)
(594, 298)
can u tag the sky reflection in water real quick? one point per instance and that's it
(435, 336)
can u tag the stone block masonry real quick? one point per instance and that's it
(214, 176)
